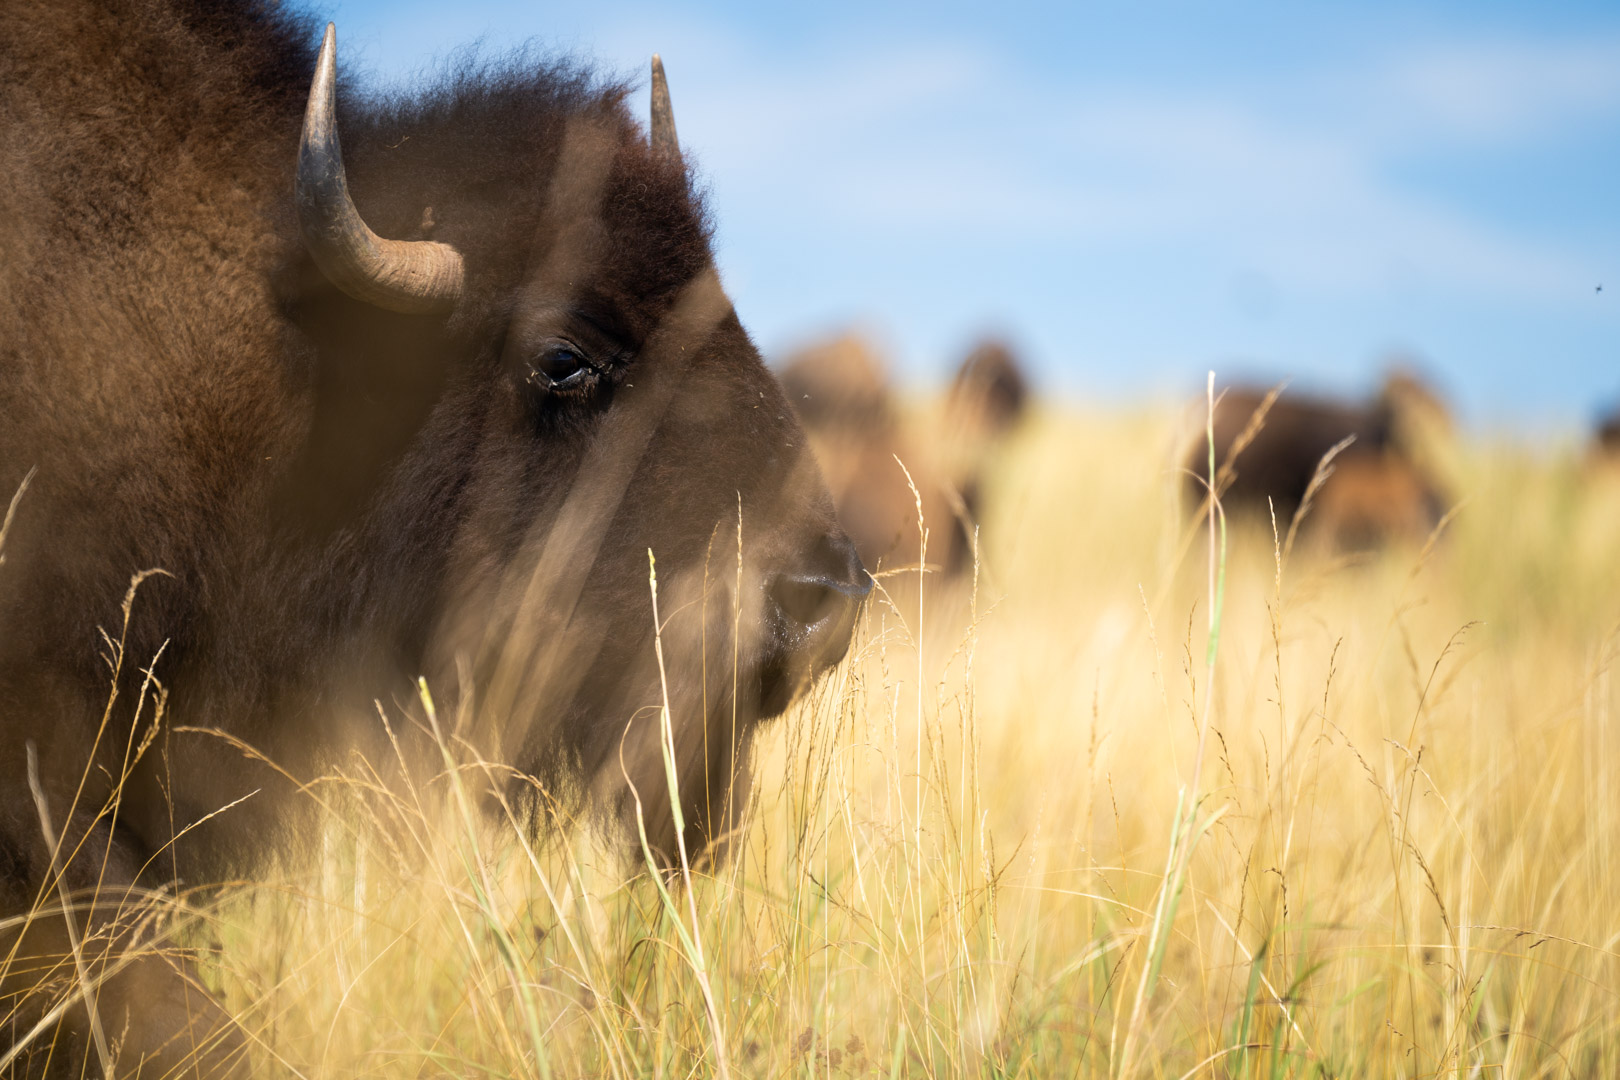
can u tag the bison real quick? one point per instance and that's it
(1269, 446)
(843, 396)
(1606, 436)
(422, 405)
(989, 395)
(1605, 442)
(987, 401)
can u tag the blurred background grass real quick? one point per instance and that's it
(1405, 825)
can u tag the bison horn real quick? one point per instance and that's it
(663, 116)
(409, 276)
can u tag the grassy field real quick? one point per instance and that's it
(1035, 833)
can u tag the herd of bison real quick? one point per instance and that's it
(1373, 472)
(312, 397)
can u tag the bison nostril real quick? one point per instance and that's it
(817, 602)
(830, 581)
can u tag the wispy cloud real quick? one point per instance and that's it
(1501, 91)
(938, 137)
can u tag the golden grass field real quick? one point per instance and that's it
(1002, 854)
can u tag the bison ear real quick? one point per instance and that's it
(662, 130)
(409, 276)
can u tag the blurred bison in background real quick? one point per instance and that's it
(989, 395)
(354, 461)
(843, 394)
(1381, 488)
(1605, 446)
(843, 397)
(988, 399)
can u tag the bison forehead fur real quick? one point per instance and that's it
(340, 497)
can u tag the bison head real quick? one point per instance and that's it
(519, 408)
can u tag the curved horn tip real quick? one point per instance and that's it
(661, 130)
(404, 276)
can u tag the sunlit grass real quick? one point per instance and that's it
(1406, 831)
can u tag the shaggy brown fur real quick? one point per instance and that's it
(341, 499)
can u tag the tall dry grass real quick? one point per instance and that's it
(980, 849)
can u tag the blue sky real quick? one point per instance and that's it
(1137, 193)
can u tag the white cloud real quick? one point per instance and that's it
(1502, 90)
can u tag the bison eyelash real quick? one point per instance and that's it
(562, 367)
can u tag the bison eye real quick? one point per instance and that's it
(559, 366)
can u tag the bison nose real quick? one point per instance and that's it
(817, 600)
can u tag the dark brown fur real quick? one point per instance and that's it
(340, 498)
